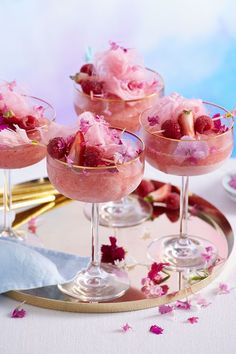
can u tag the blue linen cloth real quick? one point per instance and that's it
(26, 267)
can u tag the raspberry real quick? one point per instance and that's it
(28, 123)
(57, 148)
(145, 188)
(87, 69)
(172, 201)
(171, 129)
(91, 85)
(92, 156)
(202, 124)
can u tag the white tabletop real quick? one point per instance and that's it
(53, 332)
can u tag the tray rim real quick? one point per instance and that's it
(134, 305)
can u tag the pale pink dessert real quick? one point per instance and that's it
(187, 137)
(117, 86)
(97, 163)
(23, 121)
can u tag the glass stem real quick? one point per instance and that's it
(183, 232)
(7, 200)
(95, 239)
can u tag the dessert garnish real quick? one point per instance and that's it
(117, 72)
(19, 120)
(176, 117)
(94, 144)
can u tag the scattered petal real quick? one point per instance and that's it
(156, 329)
(232, 181)
(126, 327)
(193, 319)
(183, 305)
(32, 227)
(223, 289)
(18, 312)
(202, 302)
(163, 309)
(112, 252)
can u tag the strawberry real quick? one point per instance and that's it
(145, 187)
(87, 69)
(172, 201)
(92, 85)
(202, 124)
(186, 122)
(171, 129)
(77, 149)
(172, 215)
(159, 194)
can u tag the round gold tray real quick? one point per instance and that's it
(62, 226)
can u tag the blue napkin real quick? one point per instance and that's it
(26, 267)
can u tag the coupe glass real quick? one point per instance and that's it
(186, 158)
(14, 157)
(99, 281)
(123, 114)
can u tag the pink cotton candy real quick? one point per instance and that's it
(123, 73)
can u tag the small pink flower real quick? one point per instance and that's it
(202, 302)
(156, 329)
(232, 181)
(32, 227)
(193, 319)
(163, 309)
(223, 289)
(183, 305)
(192, 151)
(126, 327)
(18, 312)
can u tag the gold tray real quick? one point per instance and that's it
(66, 229)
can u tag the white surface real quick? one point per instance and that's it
(54, 332)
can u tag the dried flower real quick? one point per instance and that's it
(193, 319)
(163, 309)
(126, 327)
(232, 181)
(183, 305)
(18, 312)
(156, 329)
(32, 227)
(223, 289)
(112, 253)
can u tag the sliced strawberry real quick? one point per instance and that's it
(77, 149)
(186, 122)
(145, 187)
(172, 201)
(172, 215)
(160, 194)
(87, 69)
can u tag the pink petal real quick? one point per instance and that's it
(163, 309)
(203, 302)
(193, 319)
(223, 289)
(18, 313)
(183, 305)
(126, 327)
(156, 329)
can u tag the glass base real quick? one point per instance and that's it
(18, 235)
(182, 254)
(97, 284)
(127, 212)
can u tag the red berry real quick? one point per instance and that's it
(57, 148)
(92, 156)
(145, 187)
(202, 124)
(172, 201)
(172, 215)
(28, 123)
(160, 194)
(77, 149)
(171, 129)
(87, 69)
(91, 85)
